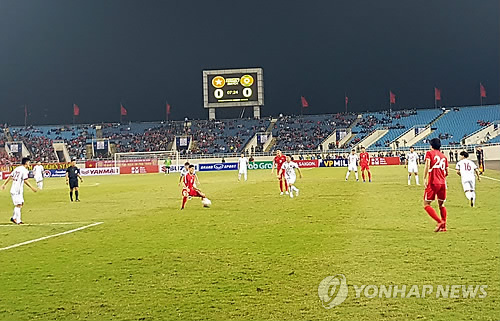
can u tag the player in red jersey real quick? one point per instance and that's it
(189, 187)
(435, 172)
(278, 161)
(364, 161)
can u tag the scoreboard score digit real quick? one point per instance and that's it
(233, 88)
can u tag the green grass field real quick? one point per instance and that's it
(253, 255)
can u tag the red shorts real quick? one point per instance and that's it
(192, 192)
(365, 167)
(431, 191)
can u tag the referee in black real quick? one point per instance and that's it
(72, 176)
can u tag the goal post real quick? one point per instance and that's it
(120, 159)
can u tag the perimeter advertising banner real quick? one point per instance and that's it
(339, 162)
(374, 161)
(218, 167)
(174, 168)
(307, 163)
(260, 165)
(54, 173)
(100, 171)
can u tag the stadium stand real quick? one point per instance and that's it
(291, 133)
(224, 136)
(458, 123)
(308, 131)
(398, 122)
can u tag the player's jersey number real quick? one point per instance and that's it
(440, 163)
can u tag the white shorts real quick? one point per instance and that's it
(38, 179)
(291, 179)
(352, 168)
(413, 168)
(243, 171)
(469, 185)
(17, 199)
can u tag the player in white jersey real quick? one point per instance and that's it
(242, 167)
(184, 171)
(19, 177)
(288, 168)
(412, 163)
(352, 165)
(38, 175)
(467, 169)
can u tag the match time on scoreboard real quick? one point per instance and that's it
(233, 88)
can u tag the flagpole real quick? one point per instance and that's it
(480, 94)
(121, 113)
(25, 115)
(345, 99)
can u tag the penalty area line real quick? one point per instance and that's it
(49, 236)
(494, 179)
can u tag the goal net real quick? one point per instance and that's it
(156, 158)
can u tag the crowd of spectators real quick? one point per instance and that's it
(307, 132)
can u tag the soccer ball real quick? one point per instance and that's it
(206, 202)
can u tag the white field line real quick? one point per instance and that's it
(50, 236)
(43, 224)
(495, 179)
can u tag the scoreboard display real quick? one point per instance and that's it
(233, 88)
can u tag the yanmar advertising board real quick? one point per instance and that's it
(218, 167)
(100, 171)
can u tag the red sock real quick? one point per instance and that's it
(281, 185)
(443, 212)
(432, 213)
(184, 200)
(369, 175)
(363, 175)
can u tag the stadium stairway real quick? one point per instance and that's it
(372, 138)
(483, 134)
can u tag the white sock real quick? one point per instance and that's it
(245, 176)
(39, 185)
(347, 175)
(293, 188)
(409, 179)
(416, 178)
(239, 176)
(468, 195)
(356, 173)
(17, 214)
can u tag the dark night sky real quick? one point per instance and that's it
(100, 52)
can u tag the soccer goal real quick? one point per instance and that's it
(121, 159)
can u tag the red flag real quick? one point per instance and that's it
(437, 93)
(168, 109)
(346, 100)
(25, 111)
(392, 97)
(76, 110)
(482, 90)
(305, 104)
(123, 111)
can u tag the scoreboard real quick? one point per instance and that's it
(233, 88)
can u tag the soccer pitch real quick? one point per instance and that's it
(253, 255)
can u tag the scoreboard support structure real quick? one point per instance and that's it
(233, 88)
